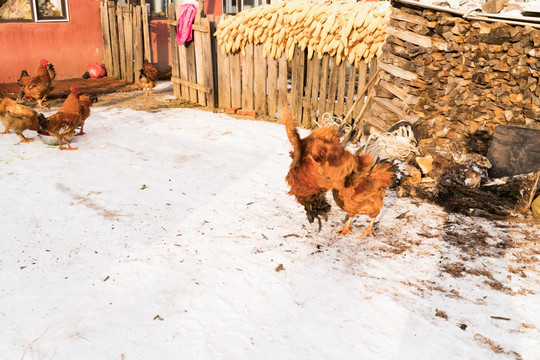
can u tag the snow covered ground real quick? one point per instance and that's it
(170, 235)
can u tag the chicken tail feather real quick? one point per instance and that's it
(294, 138)
(42, 121)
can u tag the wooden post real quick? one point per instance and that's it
(247, 78)
(272, 86)
(297, 90)
(115, 51)
(236, 79)
(283, 86)
(341, 83)
(259, 77)
(146, 31)
(138, 46)
(175, 71)
(128, 28)
(316, 74)
(324, 84)
(121, 40)
(107, 53)
(223, 77)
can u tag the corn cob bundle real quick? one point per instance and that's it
(347, 30)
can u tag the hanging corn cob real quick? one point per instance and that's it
(347, 30)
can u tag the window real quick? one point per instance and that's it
(33, 10)
(235, 6)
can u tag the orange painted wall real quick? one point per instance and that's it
(69, 46)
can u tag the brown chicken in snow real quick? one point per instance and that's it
(319, 163)
(148, 78)
(86, 101)
(18, 117)
(62, 124)
(25, 78)
(364, 192)
(37, 87)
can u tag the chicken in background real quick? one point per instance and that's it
(37, 87)
(63, 123)
(364, 192)
(319, 163)
(18, 117)
(52, 75)
(86, 101)
(24, 79)
(148, 78)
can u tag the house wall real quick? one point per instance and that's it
(69, 46)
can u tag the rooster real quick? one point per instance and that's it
(148, 78)
(37, 87)
(364, 192)
(86, 101)
(18, 117)
(25, 78)
(63, 123)
(319, 163)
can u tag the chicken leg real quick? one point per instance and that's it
(24, 139)
(369, 230)
(6, 131)
(347, 228)
(69, 147)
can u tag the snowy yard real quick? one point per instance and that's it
(170, 235)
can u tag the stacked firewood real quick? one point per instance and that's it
(458, 79)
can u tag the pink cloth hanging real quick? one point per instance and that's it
(186, 14)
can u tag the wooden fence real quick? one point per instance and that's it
(126, 39)
(202, 74)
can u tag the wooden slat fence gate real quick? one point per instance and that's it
(126, 39)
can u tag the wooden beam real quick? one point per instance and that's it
(399, 92)
(192, 85)
(417, 39)
(398, 14)
(398, 72)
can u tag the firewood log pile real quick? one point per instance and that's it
(457, 80)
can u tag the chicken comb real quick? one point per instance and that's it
(74, 89)
(44, 61)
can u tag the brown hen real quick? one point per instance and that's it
(319, 163)
(62, 124)
(86, 101)
(364, 192)
(18, 117)
(148, 78)
(37, 87)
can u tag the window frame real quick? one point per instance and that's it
(36, 17)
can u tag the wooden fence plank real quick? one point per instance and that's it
(272, 86)
(332, 87)
(324, 85)
(259, 78)
(207, 77)
(146, 31)
(115, 51)
(306, 99)
(351, 87)
(362, 77)
(121, 40)
(283, 86)
(297, 90)
(128, 28)
(191, 69)
(247, 78)
(341, 83)
(200, 67)
(213, 20)
(236, 79)
(138, 46)
(314, 101)
(105, 30)
(224, 80)
(175, 70)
